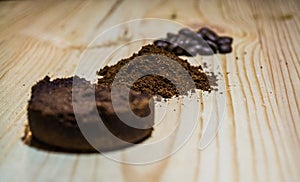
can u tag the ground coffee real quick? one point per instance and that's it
(156, 84)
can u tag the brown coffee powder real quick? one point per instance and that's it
(155, 84)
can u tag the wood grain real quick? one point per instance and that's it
(260, 136)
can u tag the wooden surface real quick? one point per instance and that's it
(259, 138)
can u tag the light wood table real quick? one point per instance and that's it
(260, 135)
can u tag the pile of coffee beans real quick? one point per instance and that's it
(188, 43)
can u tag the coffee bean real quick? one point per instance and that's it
(185, 31)
(213, 46)
(198, 48)
(224, 40)
(191, 51)
(161, 43)
(203, 31)
(208, 34)
(185, 46)
(179, 51)
(181, 42)
(205, 50)
(170, 35)
(225, 48)
(193, 42)
(172, 39)
(171, 47)
(200, 39)
(182, 39)
(188, 33)
(187, 41)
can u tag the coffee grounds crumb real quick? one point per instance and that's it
(155, 84)
(213, 80)
(173, 16)
(158, 98)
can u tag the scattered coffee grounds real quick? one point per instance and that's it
(155, 84)
(188, 43)
(53, 126)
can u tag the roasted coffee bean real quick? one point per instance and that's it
(187, 41)
(172, 39)
(225, 48)
(208, 34)
(224, 40)
(161, 43)
(191, 51)
(213, 46)
(205, 51)
(211, 36)
(171, 47)
(198, 48)
(181, 42)
(179, 51)
(185, 46)
(182, 39)
(188, 33)
(200, 39)
(170, 35)
(203, 30)
(193, 42)
(185, 31)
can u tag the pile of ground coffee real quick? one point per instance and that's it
(188, 43)
(155, 84)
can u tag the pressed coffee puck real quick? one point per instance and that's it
(53, 121)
